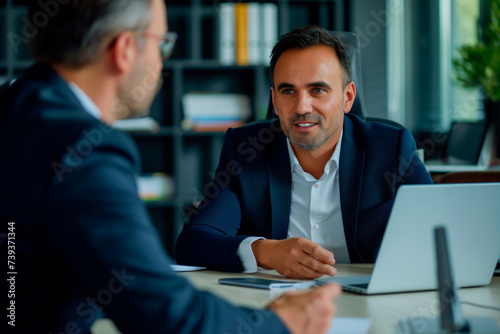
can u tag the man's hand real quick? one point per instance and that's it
(295, 257)
(307, 312)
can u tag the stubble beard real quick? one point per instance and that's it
(135, 97)
(305, 141)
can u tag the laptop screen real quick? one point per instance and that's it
(465, 142)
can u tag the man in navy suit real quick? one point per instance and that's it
(310, 189)
(77, 236)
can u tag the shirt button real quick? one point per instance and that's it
(316, 226)
(316, 186)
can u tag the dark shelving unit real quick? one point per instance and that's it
(189, 157)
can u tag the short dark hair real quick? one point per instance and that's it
(72, 32)
(306, 37)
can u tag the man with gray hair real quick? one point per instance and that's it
(77, 236)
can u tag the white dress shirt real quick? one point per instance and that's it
(315, 211)
(86, 101)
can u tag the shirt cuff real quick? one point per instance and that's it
(246, 256)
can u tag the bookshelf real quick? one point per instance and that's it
(186, 155)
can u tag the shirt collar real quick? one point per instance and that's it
(86, 101)
(294, 162)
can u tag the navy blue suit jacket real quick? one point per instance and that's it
(83, 240)
(251, 192)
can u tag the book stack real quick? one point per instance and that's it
(155, 187)
(214, 111)
(142, 124)
(247, 32)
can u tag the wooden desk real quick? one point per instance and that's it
(384, 310)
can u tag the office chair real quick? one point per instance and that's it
(471, 177)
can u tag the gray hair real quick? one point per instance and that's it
(77, 32)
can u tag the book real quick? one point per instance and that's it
(210, 126)
(155, 186)
(146, 124)
(211, 111)
(227, 51)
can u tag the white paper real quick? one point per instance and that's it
(178, 267)
(349, 326)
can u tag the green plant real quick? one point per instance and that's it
(479, 65)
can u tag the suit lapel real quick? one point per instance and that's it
(350, 175)
(280, 185)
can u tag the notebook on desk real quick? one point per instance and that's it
(406, 259)
(469, 146)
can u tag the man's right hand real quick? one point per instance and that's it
(294, 258)
(307, 312)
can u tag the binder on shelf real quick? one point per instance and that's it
(254, 30)
(142, 124)
(269, 30)
(247, 32)
(214, 111)
(227, 34)
(241, 37)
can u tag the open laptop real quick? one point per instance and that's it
(469, 146)
(406, 259)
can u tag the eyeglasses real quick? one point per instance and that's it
(167, 41)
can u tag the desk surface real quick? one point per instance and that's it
(384, 310)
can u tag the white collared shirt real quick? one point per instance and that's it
(86, 101)
(315, 211)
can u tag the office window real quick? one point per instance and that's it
(466, 102)
(423, 38)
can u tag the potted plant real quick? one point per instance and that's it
(479, 66)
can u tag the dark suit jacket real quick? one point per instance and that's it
(83, 239)
(251, 192)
